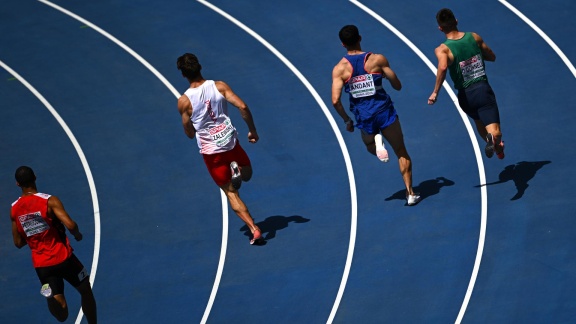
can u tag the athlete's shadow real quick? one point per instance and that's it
(426, 189)
(520, 173)
(273, 224)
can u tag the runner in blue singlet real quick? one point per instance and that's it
(360, 74)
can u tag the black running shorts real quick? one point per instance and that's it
(70, 270)
(479, 103)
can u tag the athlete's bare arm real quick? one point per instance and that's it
(19, 241)
(56, 208)
(487, 52)
(341, 73)
(245, 112)
(379, 63)
(185, 109)
(443, 54)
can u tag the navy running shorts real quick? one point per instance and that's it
(70, 270)
(376, 123)
(479, 103)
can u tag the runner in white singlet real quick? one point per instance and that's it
(204, 111)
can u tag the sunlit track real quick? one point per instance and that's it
(85, 165)
(177, 95)
(480, 163)
(542, 34)
(338, 135)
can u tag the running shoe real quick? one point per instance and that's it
(236, 176)
(413, 199)
(46, 291)
(489, 149)
(381, 152)
(256, 237)
(500, 154)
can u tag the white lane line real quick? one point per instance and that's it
(543, 35)
(337, 134)
(480, 163)
(85, 165)
(177, 95)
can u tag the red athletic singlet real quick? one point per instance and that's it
(48, 242)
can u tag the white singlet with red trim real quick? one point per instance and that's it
(214, 130)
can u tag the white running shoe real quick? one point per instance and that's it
(413, 199)
(381, 152)
(46, 291)
(236, 176)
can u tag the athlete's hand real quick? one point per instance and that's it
(253, 137)
(432, 98)
(78, 236)
(350, 126)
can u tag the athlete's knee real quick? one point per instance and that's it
(246, 173)
(401, 152)
(85, 289)
(58, 307)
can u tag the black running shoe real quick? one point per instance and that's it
(489, 149)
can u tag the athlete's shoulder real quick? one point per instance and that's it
(16, 201)
(477, 37)
(42, 195)
(342, 69)
(442, 49)
(376, 57)
(343, 63)
(221, 86)
(184, 103)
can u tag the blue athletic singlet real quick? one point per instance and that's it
(368, 99)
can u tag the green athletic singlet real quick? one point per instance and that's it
(468, 65)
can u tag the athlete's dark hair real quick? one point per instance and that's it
(189, 65)
(25, 176)
(445, 18)
(349, 35)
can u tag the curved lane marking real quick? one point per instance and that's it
(481, 172)
(543, 35)
(177, 95)
(341, 142)
(85, 165)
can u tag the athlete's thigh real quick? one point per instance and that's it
(394, 135)
(74, 271)
(53, 277)
(367, 139)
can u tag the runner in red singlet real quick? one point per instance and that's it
(39, 220)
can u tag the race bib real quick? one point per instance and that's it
(472, 68)
(33, 223)
(82, 274)
(222, 133)
(362, 86)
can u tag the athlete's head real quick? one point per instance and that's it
(189, 66)
(446, 20)
(25, 177)
(349, 35)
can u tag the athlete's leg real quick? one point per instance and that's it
(394, 136)
(494, 129)
(481, 128)
(88, 301)
(239, 155)
(494, 144)
(58, 307)
(368, 140)
(238, 206)
(246, 172)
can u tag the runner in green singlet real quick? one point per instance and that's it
(463, 55)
